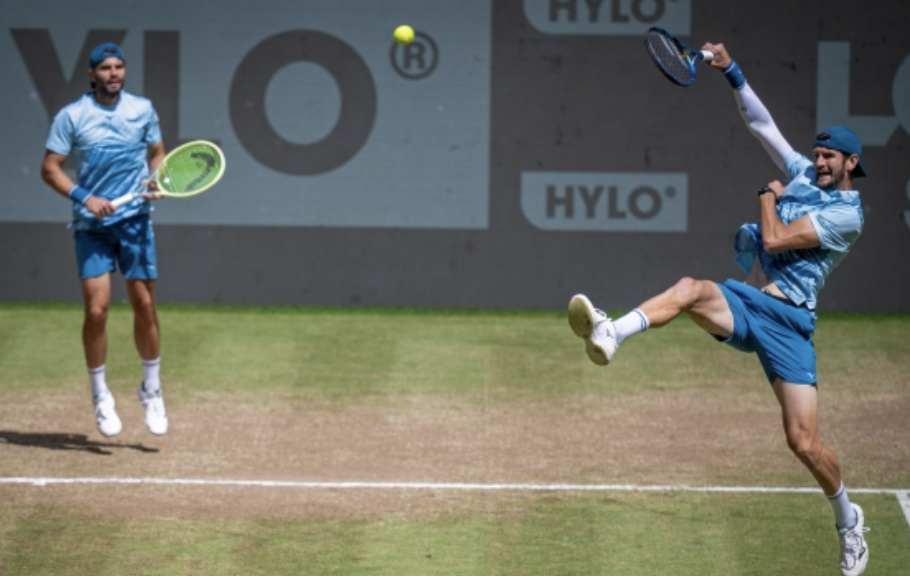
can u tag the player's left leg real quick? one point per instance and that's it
(147, 335)
(145, 318)
(799, 410)
(138, 262)
(702, 300)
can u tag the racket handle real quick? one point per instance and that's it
(126, 198)
(707, 55)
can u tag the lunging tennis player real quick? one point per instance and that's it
(804, 230)
(115, 139)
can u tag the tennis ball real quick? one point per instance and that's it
(404, 34)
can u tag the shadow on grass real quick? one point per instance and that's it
(57, 441)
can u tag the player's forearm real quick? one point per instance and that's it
(57, 179)
(757, 117)
(156, 154)
(52, 173)
(778, 237)
(771, 224)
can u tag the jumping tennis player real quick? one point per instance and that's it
(115, 139)
(804, 230)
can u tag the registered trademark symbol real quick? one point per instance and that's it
(669, 192)
(415, 60)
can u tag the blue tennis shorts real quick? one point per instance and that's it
(129, 244)
(779, 332)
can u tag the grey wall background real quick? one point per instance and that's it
(581, 101)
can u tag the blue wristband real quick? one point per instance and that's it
(734, 76)
(79, 194)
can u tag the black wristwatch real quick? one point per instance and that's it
(768, 189)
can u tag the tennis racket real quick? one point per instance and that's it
(676, 60)
(187, 170)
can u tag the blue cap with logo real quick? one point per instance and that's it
(843, 140)
(102, 52)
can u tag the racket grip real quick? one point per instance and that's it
(118, 202)
(707, 55)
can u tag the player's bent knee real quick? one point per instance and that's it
(688, 291)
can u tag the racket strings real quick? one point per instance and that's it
(669, 58)
(192, 168)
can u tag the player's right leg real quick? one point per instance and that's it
(96, 294)
(95, 258)
(799, 407)
(701, 299)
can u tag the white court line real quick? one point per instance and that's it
(905, 504)
(42, 481)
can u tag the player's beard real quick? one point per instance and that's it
(836, 176)
(102, 88)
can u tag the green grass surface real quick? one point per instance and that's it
(340, 357)
(551, 534)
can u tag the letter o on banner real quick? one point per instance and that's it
(654, 199)
(358, 102)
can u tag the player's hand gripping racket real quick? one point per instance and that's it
(676, 60)
(187, 170)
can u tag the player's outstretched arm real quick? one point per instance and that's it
(753, 112)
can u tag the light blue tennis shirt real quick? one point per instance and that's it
(838, 220)
(110, 147)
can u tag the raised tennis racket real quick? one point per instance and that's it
(676, 60)
(187, 170)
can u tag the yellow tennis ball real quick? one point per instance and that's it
(404, 34)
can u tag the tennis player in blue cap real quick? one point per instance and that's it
(115, 139)
(805, 228)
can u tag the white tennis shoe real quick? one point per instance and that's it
(854, 552)
(155, 416)
(106, 416)
(595, 327)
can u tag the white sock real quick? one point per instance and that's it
(844, 514)
(99, 384)
(150, 370)
(630, 324)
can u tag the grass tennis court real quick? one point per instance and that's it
(381, 396)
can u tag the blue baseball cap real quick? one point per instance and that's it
(102, 52)
(843, 140)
